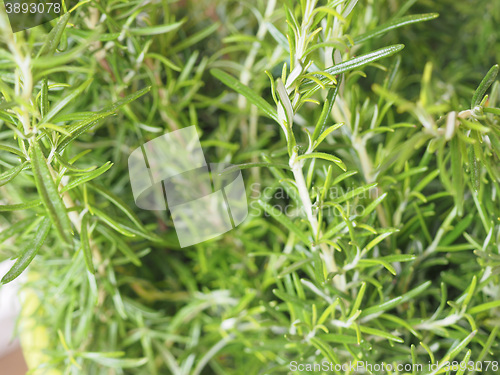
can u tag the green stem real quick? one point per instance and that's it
(327, 252)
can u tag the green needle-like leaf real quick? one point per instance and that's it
(457, 174)
(49, 194)
(29, 252)
(325, 349)
(87, 177)
(54, 37)
(113, 223)
(380, 333)
(84, 235)
(247, 92)
(81, 127)
(378, 309)
(484, 307)
(391, 25)
(325, 113)
(9, 175)
(44, 98)
(127, 99)
(324, 156)
(156, 30)
(326, 133)
(20, 206)
(238, 167)
(355, 63)
(12, 150)
(485, 84)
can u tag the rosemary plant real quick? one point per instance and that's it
(372, 173)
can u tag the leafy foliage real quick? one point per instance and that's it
(373, 232)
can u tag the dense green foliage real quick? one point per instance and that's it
(372, 171)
